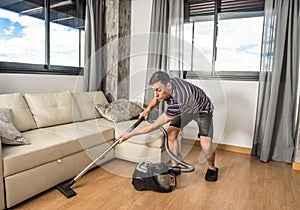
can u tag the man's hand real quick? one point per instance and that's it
(144, 114)
(123, 137)
(153, 103)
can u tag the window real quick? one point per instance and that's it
(238, 44)
(42, 36)
(22, 38)
(223, 37)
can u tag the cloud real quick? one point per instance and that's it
(29, 47)
(238, 43)
(10, 31)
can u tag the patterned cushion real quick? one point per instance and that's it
(119, 110)
(8, 133)
(6, 115)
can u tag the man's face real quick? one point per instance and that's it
(161, 91)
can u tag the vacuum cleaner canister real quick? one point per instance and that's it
(153, 176)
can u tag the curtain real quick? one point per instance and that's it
(93, 69)
(274, 133)
(165, 40)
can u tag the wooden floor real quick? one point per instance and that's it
(244, 183)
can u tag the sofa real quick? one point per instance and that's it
(62, 133)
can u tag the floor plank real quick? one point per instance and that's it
(244, 183)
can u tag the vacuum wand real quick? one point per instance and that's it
(65, 186)
(102, 155)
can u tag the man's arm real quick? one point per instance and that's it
(153, 103)
(161, 120)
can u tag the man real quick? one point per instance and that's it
(186, 102)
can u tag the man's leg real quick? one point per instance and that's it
(172, 141)
(207, 148)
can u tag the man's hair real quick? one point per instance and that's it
(159, 76)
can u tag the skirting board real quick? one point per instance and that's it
(230, 148)
(243, 150)
(296, 166)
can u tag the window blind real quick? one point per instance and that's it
(196, 8)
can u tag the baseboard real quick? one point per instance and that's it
(225, 147)
(296, 166)
(238, 149)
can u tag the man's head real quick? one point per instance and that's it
(161, 85)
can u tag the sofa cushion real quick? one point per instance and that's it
(50, 109)
(22, 117)
(88, 134)
(152, 139)
(53, 143)
(86, 102)
(119, 110)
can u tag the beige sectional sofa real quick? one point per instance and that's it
(66, 133)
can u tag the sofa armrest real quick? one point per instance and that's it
(2, 198)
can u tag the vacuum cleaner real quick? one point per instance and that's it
(159, 177)
(65, 187)
(147, 176)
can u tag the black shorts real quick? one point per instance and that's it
(204, 121)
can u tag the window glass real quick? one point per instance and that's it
(65, 34)
(82, 46)
(187, 46)
(239, 44)
(22, 37)
(203, 45)
(30, 35)
(64, 48)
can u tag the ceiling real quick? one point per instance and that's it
(65, 12)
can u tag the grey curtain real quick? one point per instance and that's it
(93, 68)
(275, 134)
(165, 40)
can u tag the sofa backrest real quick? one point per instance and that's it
(37, 110)
(86, 102)
(50, 109)
(22, 117)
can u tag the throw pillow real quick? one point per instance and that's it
(8, 133)
(119, 110)
(5, 115)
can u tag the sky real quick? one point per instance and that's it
(238, 43)
(22, 40)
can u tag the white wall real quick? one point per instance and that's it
(32, 83)
(234, 115)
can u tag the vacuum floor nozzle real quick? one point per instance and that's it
(65, 188)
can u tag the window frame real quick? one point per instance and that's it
(215, 14)
(47, 68)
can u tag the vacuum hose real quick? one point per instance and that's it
(187, 167)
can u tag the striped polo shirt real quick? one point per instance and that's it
(187, 98)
